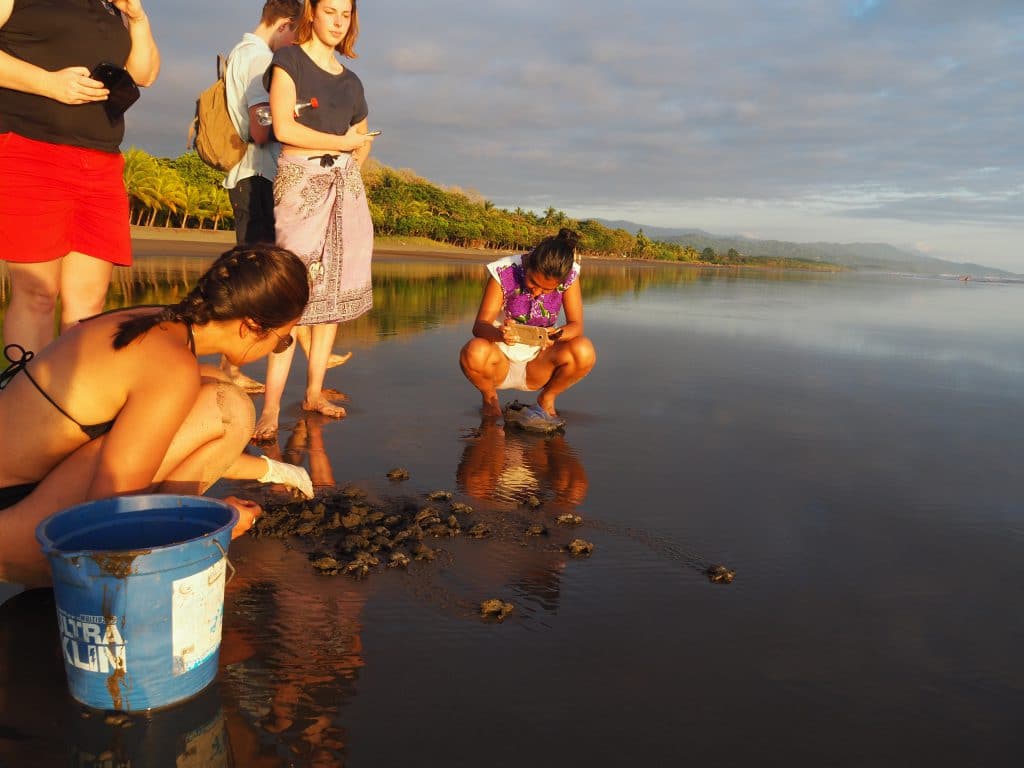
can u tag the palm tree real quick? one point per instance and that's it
(221, 206)
(140, 173)
(170, 195)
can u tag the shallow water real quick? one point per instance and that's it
(847, 443)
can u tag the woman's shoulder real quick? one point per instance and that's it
(503, 270)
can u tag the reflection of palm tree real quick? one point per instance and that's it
(506, 467)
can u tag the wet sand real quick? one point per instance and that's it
(847, 444)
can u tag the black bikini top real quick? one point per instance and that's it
(91, 431)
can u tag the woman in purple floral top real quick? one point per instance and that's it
(530, 290)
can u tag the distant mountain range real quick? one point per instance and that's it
(874, 257)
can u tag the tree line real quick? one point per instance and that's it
(186, 193)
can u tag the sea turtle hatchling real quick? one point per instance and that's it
(580, 548)
(719, 574)
(440, 495)
(495, 608)
(569, 519)
(398, 474)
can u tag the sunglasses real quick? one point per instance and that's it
(283, 342)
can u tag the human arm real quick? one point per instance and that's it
(360, 155)
(572, 303)
(260, 134)
(158, 398)
(291, 132)
(143, 62)
(492, 307)
(71, 85)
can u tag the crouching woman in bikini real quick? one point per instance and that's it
(119, 403)
(530, 289)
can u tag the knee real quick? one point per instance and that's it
(37, 296)
(237, 412)
(474, 355)
(583, 354)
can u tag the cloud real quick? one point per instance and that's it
(583, 104)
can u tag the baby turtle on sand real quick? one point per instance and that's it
(719, 574)
(398, 473)
(440, 495)
(458, 506)
(532, 501)
(479, 531)
(580, 548)
(398, 560)
(537, 529)
(569, 519)
(496, 608)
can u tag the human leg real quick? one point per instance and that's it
(485, 367)
(278, 366)
(302, 336)
(84, 281)
(30, 316)
(321, 343)
(210, 441)
(558, 368)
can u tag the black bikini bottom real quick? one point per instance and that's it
(12, 494)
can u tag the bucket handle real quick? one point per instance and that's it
(231, 568)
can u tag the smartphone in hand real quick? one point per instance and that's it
(123, 90)
(533, 335)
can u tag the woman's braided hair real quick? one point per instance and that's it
(553, 256)
(263, 283)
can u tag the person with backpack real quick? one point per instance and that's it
(320, 207)
(64, 216)
(250, 182)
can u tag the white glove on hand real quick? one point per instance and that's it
(287, 474)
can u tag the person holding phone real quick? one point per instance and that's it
(64, 218)
(320, 207)
(120, 404)
(530, 289)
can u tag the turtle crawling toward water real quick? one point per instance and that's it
(719, 574)
(580, 548)
(398, 474)
(496, 608)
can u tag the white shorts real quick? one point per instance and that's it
(518, 356)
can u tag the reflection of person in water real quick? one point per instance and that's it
(506, 467)
(531, 290)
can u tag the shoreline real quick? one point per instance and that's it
(208, 243)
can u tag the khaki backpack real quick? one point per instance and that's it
(212, 134)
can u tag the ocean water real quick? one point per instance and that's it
(848, 444)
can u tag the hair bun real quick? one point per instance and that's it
(570, 237)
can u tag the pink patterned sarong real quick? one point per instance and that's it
(321, 215)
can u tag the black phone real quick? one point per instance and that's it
(123, 90)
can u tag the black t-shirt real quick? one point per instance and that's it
(54, 34)
(340, 98)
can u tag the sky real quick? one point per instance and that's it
(801, 120)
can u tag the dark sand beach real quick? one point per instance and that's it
(847, 444)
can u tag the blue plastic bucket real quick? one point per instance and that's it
(139, 586)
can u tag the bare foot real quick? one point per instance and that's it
(324, 406)
(335, 360)
(334, 394)
(491, 407)
(549, 407)
(266, 427)
(247, 383)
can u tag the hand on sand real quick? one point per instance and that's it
(287, 474)
(324, 406)
(248, 511)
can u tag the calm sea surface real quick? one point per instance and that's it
(848, 444)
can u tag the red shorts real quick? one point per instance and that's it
(55, 199)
